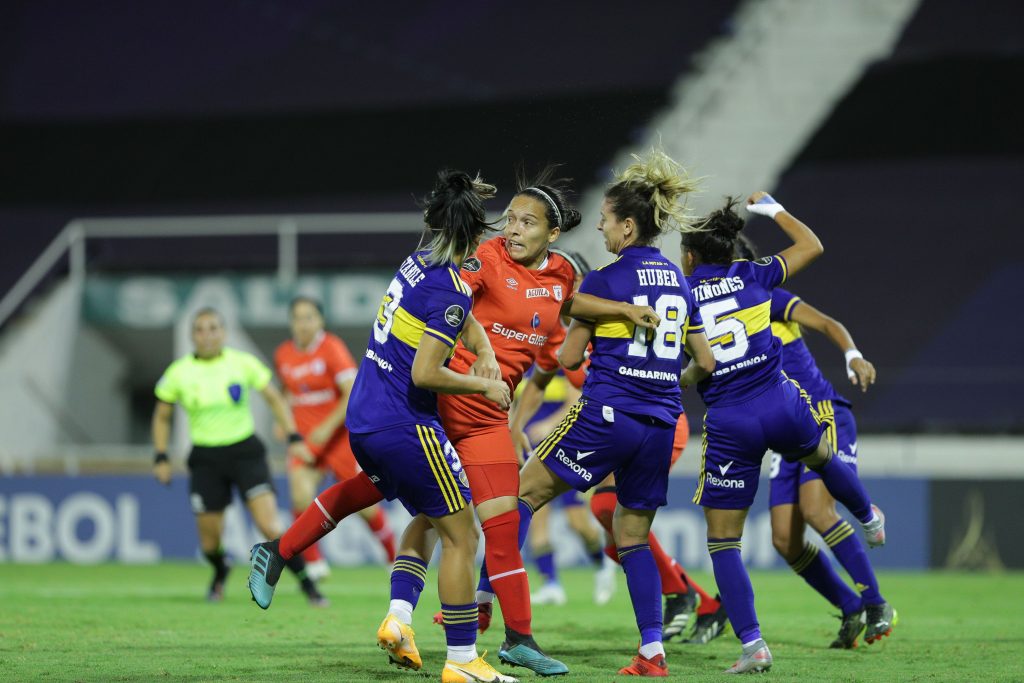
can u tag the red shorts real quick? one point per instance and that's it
(681, 437)
(492, 480)
(336, 457)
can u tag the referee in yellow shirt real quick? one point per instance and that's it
(213, 386)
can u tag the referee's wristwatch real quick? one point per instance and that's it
(294, 437)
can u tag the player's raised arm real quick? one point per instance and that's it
(806, 245)
(590, 307)
(858, 369)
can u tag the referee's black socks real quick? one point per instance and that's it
(219, 562)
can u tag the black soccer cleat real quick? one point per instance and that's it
(710, 626)
(850, 628)
(880, 620)
(680, 615)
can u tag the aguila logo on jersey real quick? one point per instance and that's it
(454, 315)
(558, 292)
(511, 283)
(534, 292)
(472, 264)
(536, 321)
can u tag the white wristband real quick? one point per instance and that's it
(852, 355)
(766, 206)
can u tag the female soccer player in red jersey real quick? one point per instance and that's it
(317, 372)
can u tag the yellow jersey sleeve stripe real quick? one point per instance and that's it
(786, 332)
(440, 335)
(789, 307)
(460, 284)
(407, 328)
(615, 330)
(785, 268)
(428, 450)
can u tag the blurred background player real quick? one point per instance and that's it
(625, 422)
(751, 405)
(317, 372)
(396, 432)
(797, 494)
(213, 385)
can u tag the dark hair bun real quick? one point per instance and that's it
(726, 221)
(571, 219)
(450, 179)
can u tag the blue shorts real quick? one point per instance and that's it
(595, 440)
(737, 436)
(415, 464)
(571, 498)
(788, 477)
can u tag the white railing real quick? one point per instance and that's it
(71, 241)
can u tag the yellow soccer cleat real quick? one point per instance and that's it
(477, 670)
(399, 641)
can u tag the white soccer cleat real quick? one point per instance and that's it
(756, 658)
(549, 594)
(318, 570)
(604, 582)
(874, 532)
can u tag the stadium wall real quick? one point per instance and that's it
(932, 523)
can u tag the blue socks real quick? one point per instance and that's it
(734, 586)
(407, 578)
(843, 484)
(460, 623)
(847, 548)
(644, 584)
(546, 564)
(818, 572)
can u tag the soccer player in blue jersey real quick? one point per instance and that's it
(797, 494)
(751, 405)
(626, 420)
(396, 433)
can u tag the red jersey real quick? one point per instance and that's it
(519, 309)
(311, 378)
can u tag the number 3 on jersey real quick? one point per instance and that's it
(671, 308)
(386, 312)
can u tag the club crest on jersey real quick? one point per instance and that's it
(454, 315)
(235, 392)
(558, 292)
(536, 320)
(511, 283)
(471, 264)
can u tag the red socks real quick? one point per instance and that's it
(505, 568)
(671, 581)
(326, 511)
(312, 553)
(379, 526)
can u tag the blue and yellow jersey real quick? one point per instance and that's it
(797, 361)
(735, 304)
(630, 369)
(422, 299)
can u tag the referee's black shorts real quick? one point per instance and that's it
(215, 469)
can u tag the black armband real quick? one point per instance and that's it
(161, 456)
(294, 437)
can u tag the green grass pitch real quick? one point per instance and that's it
(150, 623)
